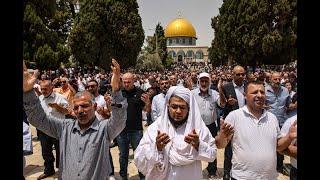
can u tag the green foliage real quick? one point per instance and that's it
(254, 32)
(46, 24)
(149, 61)
(106, 29)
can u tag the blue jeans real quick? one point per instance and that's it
(123, 139)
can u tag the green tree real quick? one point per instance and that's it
(106, 29)
(161, 43)
(254, 32)
(46, 24)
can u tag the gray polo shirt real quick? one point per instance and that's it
(254, 145)
(83, 155)
(207, 105)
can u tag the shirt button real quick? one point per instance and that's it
(78, 174)
(80, 148)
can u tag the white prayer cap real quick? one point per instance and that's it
(179, 91)
(204, 74)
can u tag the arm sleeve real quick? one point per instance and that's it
(207, 148)
(118, 117)
(147, 158)
(154, 114)
(37, 117)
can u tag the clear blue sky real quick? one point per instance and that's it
(198, 12)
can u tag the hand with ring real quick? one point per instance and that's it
(162, 140)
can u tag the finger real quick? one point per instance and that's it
(230, 96)
(167, 141)
(194, 131)
(24, 66)
(294, 123)
(188, 138)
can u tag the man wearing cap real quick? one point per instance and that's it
(175, 144)
(207, 100)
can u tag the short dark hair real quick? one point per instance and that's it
(255, 82)
(93, 80)
(164, 78)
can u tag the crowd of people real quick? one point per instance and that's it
(190, 110)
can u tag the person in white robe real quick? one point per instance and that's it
(173, 147)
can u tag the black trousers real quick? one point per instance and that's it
(227, 159)
(280, 158)
(47, 143)
(212, 166)
(293, 173)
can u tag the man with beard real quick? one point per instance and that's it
(208, 100)
(158, 105)
(175, 144)
(84, 142)
(278, 101)
(255, 137)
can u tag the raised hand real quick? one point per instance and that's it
(145, 98)
(293, 130)
(193, 139)
(28, 79)
(226, 130)
(162, 140)
(231, 100)
(107, 98)
(115, 79)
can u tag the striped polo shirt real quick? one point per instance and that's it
(254, 145)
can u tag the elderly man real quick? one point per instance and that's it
(208, 100)
(176, 143)
(158, 105)
(84, 143)
(255, 137)
(56, 105)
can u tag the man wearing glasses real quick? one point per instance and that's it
(175, 144)
(233, 92)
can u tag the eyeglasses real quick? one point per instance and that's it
(240, 74)
(175, 107)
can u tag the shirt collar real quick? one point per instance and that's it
(246, 110)
(199, 91)
(52, 95)
(235, 85)
(94, 125)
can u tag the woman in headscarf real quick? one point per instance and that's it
(175, 144)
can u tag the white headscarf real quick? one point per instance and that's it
(179, 152)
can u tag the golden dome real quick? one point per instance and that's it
(180, 28)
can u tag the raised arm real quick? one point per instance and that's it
(118, 118)
(36, 115)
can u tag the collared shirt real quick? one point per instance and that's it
(239, 93)
(53, 98)
(157, 106)
(253, 144)
(83, 154)
(100, 103)
(66, 93)
(284, 131)
(207, 105)
(278, 102)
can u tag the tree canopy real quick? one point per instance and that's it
(106, 29)
(46, 24)
(252, 32)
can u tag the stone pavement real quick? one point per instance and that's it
(34, 163)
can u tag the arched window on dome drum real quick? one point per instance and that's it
(181, 52)
(183, 41)
(170, 41)
(190, 41)
(190, 54)
(172, 54)
(199, 54)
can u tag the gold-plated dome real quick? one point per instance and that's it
(180, 28)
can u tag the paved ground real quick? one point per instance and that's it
(34, 163)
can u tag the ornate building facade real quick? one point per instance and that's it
(181, 42)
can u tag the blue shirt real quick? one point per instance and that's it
(278, 102)
(158, 104)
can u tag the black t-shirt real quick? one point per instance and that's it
(134, 110)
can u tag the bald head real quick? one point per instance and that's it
(238, 75)
(128, 81)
